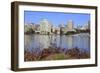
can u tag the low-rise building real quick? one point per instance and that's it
(57, 30)
(29, 27)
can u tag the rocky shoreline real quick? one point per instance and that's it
(56, 54)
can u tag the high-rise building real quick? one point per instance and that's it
(45, 27)
(70, 25)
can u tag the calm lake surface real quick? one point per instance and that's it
(37, 42)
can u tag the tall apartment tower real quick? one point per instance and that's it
(45, 27)
(70, 25)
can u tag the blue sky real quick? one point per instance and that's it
(56, 18)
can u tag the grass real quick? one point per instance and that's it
(59, 56)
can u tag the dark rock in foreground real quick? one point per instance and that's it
(56, 54)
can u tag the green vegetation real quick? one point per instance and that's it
(30, 31)
(77, 32)
(58, 56)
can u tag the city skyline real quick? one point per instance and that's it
(56, 18)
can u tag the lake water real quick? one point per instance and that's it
(36, 42)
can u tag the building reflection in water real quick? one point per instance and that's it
(39, 42)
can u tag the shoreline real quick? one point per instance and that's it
(56, 34)
(56, 54)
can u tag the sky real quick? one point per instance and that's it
(56, 18)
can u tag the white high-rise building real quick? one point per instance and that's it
(45, 27)
(70, 25)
